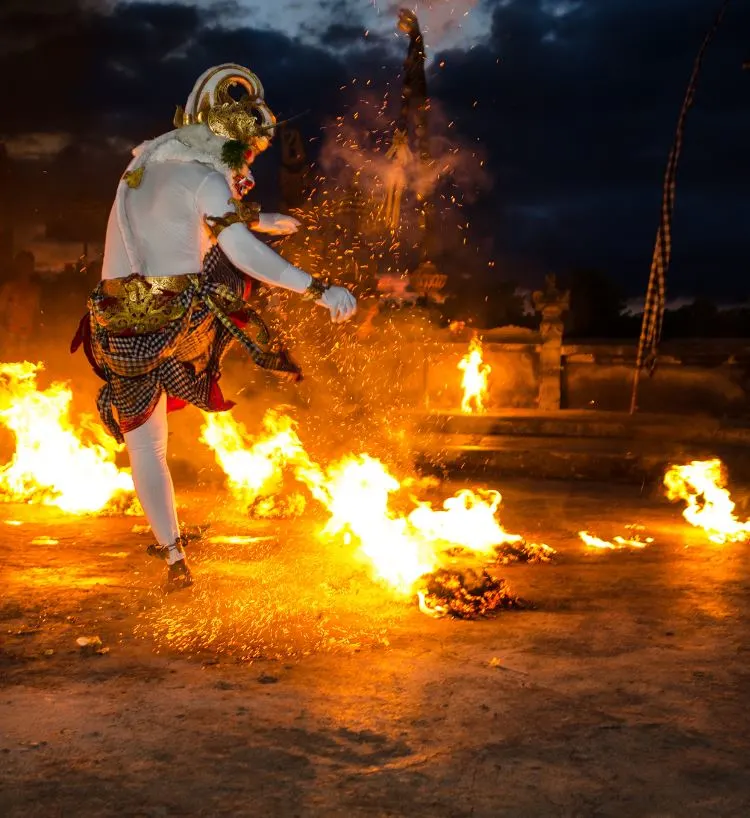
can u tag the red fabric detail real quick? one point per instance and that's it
(216, 400)
(81, 332)
(216, 403)
(238, 319)
(175, 404)
(83, 337)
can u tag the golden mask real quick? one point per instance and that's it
(247, 119)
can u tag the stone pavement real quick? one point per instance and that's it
(622, 693)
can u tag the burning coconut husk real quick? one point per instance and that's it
(466, 594)
(400, 537)
(56, 462)
(258, 471)
(701, 485)
(278, 507)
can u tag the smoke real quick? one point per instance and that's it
(356, 150)
(37, 145)
(443, 22)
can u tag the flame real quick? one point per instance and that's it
(365, 503)
(255, 471)
(616, 543)
(700, 484)
(51, 464)
(474, 381)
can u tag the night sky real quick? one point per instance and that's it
(572, 102)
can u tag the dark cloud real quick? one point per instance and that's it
(25, 26)
(123, 72)
(115, 76)
(578, 113)
(342, 34)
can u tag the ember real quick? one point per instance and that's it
(474, 381)
(467, 594)
(700, 484)
(53, 463)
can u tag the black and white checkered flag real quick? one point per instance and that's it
(653, 310)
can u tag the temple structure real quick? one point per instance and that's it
(410, 151)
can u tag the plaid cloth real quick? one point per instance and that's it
(184, 357)
(655, 304)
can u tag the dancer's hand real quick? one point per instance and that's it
(340, 302)
(277, 224)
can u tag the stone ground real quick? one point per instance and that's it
(285, 683)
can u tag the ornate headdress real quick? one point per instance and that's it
(247, 121)
(213, 128)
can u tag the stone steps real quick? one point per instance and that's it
(582, 424)
(590, 446)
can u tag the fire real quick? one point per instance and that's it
(402, 539)
(357, 493)
(404, 547)
(255, 470)
(700, 484)
(52, 464)
(474, 381)
(616, 543)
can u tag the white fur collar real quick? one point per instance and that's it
(193, 143)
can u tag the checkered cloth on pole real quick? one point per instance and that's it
(653, 310)
(182, 358)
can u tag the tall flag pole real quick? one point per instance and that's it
(653, 309)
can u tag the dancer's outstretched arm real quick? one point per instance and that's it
(249, 254)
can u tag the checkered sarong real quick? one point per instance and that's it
(655, 304)
(182, 358)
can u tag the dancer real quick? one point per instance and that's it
(169, 305)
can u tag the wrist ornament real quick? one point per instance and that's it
(316, 289)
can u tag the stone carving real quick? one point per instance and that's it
(551, 303)
(428, 282)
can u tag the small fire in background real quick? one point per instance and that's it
(55, 463)
(474, 380)
(407, 543)
(701, 485)
(633, 540)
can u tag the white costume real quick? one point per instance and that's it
(169, 305)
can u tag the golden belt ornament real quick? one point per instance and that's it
(139, 304)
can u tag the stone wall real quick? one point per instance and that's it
(692, 376)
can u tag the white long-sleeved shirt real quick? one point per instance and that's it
(166, 215)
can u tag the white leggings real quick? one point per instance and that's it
(147, 448)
